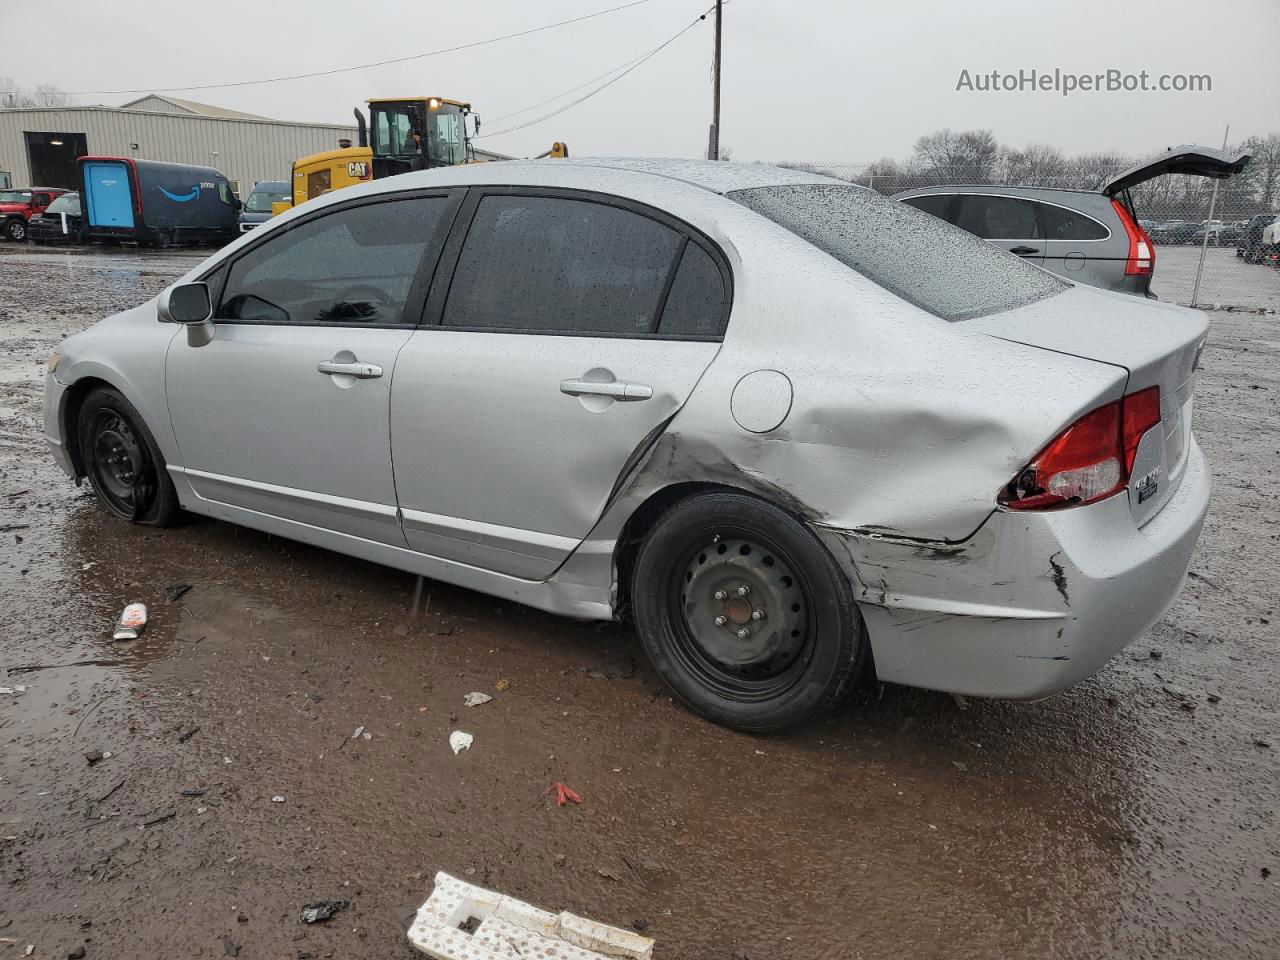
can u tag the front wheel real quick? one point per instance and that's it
(16, 229)
(123, 463)
(745, 614)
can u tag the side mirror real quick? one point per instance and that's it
(188, 304)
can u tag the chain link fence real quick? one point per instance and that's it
(1234, 270)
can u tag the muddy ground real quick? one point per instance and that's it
(1115, 820)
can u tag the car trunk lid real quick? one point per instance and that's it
(1158, 344)
(1188, 158)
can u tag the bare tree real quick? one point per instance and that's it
(1264, 169)
(955, 155)
(44, 95)
(1040, 165)
(47, 95)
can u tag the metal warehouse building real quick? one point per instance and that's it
(39, 145)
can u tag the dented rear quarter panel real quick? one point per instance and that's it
(899, 421)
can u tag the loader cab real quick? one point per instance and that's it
(417, 133)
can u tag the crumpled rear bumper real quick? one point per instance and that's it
(1032, 602)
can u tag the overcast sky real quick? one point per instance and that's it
(818, 80)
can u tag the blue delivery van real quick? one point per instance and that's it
(154, 203)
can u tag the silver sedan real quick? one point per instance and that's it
(798, 432)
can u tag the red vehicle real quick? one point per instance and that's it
(19, 206)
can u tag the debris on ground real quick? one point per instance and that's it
(231, 947)
(15, 689)
(77, 953)
(610, 874)
(93, 756)
(277, 799)
(322, 910)
(131, 623)
(103, 797)
(1177, 692)
(476, 699)
(187, 734)
(32, 667)
(460, 741)
(177, 592)
(961, 702)
(563, 794)
(511, 927)
(1260, 742)
(159, 816)
(502, 684)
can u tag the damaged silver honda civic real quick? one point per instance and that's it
(798, 432)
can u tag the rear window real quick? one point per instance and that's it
(925, 261)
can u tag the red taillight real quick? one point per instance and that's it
(1090, 460)
(1141, 261)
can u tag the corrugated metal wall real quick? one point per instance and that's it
(244, 150)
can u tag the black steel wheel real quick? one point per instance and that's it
(745, 614)
(125, 467)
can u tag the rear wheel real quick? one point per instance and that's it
(125, 467)
(745, 614)
(15, 229)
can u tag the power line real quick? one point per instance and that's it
(363, 66)
(629, 65)
(564, 93)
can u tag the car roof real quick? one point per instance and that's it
(711, 175)
(718, 176)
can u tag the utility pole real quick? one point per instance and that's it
(713, 149)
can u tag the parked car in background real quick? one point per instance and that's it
(1270, 249)
(155, 204)
(17, 207)
(1089, 237)
(1219, 233)
(1249, 245)
(60, 222)
(1173, 232)
(257, 206)
(1085, 236)
(770, 509)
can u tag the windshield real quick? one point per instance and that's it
(263, 196)
(15, 196)
(412, 130)
(914, 255)
(67, 203)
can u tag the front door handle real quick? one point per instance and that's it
(361, 371)
(617, 389)
(1024, 251)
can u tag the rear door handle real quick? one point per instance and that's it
(1024, 251)
(361, 371)
(617, 389)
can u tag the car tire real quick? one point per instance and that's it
(805, 645)
(123, 463)
(15, 229)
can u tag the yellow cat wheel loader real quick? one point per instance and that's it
(402, 134)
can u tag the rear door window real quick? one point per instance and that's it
(998, 218)
(938, 204)
(1063, 224)
(697, 304)
(356, 265)
(929, 263)
(540, 264)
